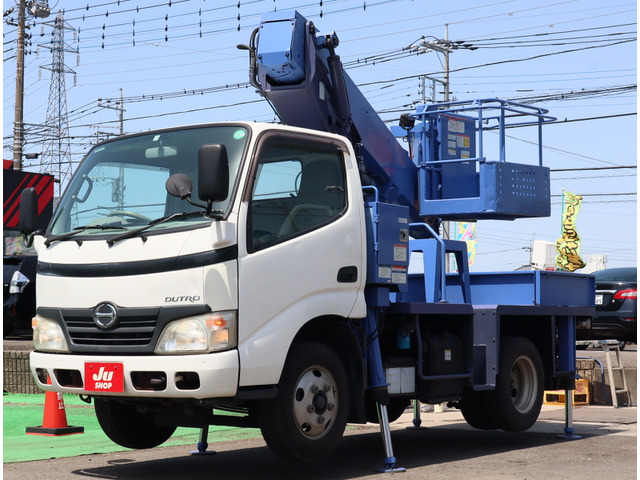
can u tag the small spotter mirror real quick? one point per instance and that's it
(179, 185)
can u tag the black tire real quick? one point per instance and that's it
(622, 344)
(128, 428)
(474, 409)
(309, 414)
(515, 403)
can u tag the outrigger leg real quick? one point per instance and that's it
(378, 388)
(417, 421)
(568, 417)
(567, 360)
(390, 459)
(202, 443)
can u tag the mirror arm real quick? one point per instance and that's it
(199, 205)
(28, 238)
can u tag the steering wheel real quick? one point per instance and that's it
(303, 216)
(128, 213)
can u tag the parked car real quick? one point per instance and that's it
(18, 284)
(616, 300)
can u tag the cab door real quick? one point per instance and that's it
(304, 256)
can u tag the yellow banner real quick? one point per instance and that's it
(467, 233)
(568, 245)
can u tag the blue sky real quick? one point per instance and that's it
(580, 55)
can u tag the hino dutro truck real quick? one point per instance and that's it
(291, 277)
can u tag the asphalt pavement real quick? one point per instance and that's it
(445, 447)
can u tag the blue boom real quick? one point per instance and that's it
(449, 177)
(301, 75)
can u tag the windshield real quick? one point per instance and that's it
(121, 184)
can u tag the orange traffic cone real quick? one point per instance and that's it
(54, 421)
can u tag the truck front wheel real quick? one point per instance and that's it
(129, 428)
(515, 403)
(309, 414)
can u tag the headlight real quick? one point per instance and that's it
(48, 335)
(200, 334)
(18, 282)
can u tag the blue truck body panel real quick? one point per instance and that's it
(525, 288)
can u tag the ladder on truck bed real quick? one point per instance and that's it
(609, 346)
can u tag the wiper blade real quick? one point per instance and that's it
(64, 236)
(153, 223)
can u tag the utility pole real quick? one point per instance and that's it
(119, 107)
(121, 113)
(18, 125)
(447, 227)
(39, 10)
(423, 88)
(444, 46)
(445, 53)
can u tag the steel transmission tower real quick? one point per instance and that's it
(56, 155)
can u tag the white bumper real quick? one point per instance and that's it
(218, 373)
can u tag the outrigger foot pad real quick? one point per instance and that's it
(202, 444)
(202, 450)
(390, 466)
(417, 421)
(569, 435)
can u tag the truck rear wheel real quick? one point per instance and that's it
(474, 410)
(309, 414)
(515, 403)
(129, 428)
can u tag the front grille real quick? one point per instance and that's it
(131, 330)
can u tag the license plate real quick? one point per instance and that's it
(104, 377)
(599, 299)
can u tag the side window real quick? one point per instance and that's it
(295, 190)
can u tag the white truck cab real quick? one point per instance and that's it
(138, 280)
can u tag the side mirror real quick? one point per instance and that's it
(27, 223)
(213, 173)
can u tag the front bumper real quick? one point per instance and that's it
(216, 373)
(610, 327)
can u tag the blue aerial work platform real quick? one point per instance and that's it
(458, 181)
(445, 174)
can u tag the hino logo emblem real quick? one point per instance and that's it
(105, 315)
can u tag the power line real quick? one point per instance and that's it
(164, 31)
(589, 177)
(617, 167)
(601, 117)
(601, 194)
(589, 29)
(356, 63)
